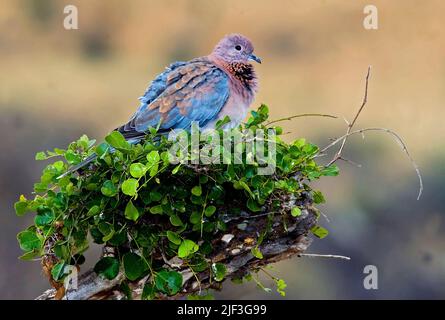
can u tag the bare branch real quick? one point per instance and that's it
(351, 125)
(398, 139)
(331, 256)
(302, 115)
(358, 165)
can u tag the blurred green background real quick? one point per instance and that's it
(56, 84)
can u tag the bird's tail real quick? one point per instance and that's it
(88, 160)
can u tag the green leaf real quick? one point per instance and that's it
(219, 271)
(62, 251)
(195, 217)
(203, 179)
(157, 209)
(319, 232)
(94, 210)
(169, 282)
(149, 291)
(176, 169)
(134, 266)
(239, 185)
(209, 211)
(318, 197)
(29, 241)
(153, 157)
(253, 205)
(263, 110)
(257, 253)
(137, 170)
(30, 255)
(331, 171)
(173, 237)
(153, 162)
(220, 123)
(41, 156)
(108, 267)
(131, 212)
(21, 207)
(117, 140)
(108, 189)
(281, 285)
(130, 186)
(107, 230)
(58, 271)
(295, 212)
(187, 248)
(197, 190)
(118, 238)
(125, 289)
(40, 187)
(102, 149)
(44, 216)
(175, 221)
(72, 157)
(155, 196)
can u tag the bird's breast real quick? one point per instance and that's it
(235, 108)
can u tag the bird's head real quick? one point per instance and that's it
(235, 48)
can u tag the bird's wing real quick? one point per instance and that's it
(185, 92)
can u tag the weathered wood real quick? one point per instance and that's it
(287, 238)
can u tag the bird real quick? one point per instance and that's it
(203, 90)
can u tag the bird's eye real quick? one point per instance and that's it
(238, 47)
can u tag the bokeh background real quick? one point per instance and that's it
(56, 84)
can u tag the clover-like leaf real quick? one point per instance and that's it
(187, 248)
(219, 271)
(109, 189)
(169, 282)
(319, 232)
(117, 140)
(130, 186)
(197, 190)
(108, 267)
(28, 240)
(135, 266)
(174, 237)
(295, 212)
(137, 170)
(131, 212)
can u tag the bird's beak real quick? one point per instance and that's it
(254, 58)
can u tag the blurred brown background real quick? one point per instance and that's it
(56, 84)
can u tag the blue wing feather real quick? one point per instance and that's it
(183, 93)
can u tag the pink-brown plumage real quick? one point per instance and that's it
(243, 79)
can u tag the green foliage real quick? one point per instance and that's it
(219, 271)
(108, 267)
(134, 200)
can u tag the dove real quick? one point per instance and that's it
(201, 91)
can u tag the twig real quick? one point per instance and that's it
(302, 115)
(349, 132)
(350, 125)
(398, 140)
(358, 165)
(331, 256)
